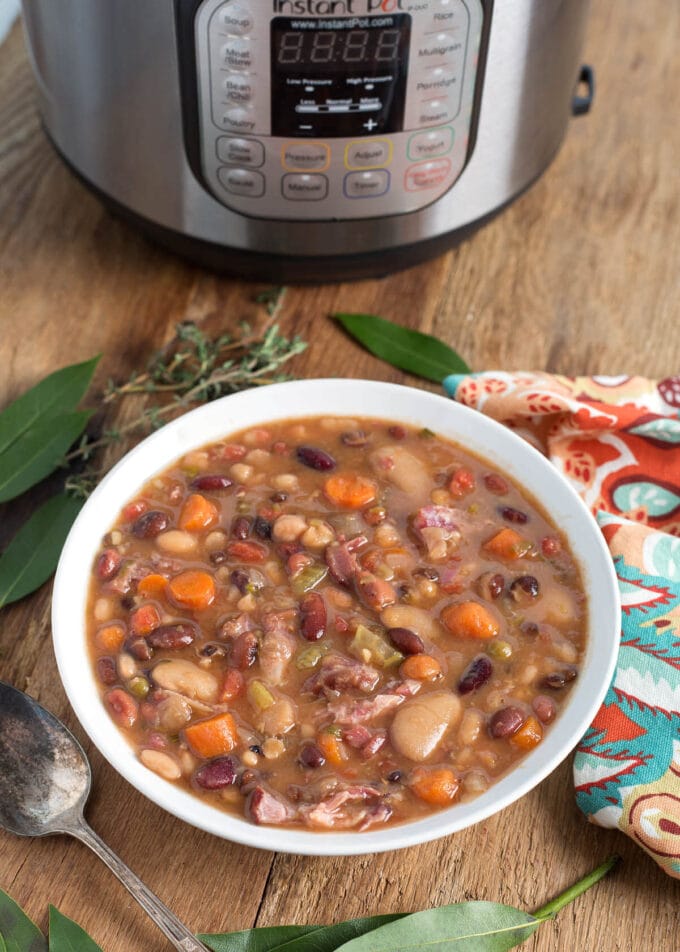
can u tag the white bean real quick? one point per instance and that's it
(127, 666)
(104, 609)
(187, 679)
(420, 724)
(318, 536)
(177, 542)
(258, 458)
(286, 482)
(417, 619)
(288, 528)
(241, 472)
(470, 727)
(216, 540)
(161, 763)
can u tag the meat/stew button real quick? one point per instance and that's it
(426, 175)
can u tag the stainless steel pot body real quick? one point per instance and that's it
(109, 76)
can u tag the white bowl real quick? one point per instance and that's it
(346, 398)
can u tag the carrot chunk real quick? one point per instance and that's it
(110, 638)
(214, 737)
(508, 545)
(470, 620)
(529, 735)
(152, 586)
(438, 786)
(197, 513)
(332, 748)
(421, 667)
(193, 589)
(144, 619)
(350, 490)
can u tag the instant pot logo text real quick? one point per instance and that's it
(322, 8)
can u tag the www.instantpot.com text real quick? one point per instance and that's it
(321, 8)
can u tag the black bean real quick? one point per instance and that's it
(315, 458)
(150, 524)
(406, 641)
(490, 585)
(217, 773)
(256, 749)
(211, 484)
(278, 497)
(515, 516)
(475, 675)
(262, 527)
(525, 588)
(395, 776)
(559, 679)
(219, 557)
(128, 602)
(311, 756)
(506, 722)
(530, 628)
(241, 580)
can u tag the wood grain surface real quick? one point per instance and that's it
(581, 275)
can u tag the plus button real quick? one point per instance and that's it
(370, 125)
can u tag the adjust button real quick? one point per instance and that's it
(304, 188)
(305, 156)
(235, 18)
(237, 53)
(367, 184)
(430, 145)
(242, 182)
(427, 175)
(234, 151)
(370, 154)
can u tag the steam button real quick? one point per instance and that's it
(243, 182)
(434, 112)
(235, 18)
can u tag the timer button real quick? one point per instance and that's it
(235, 151)
(242, 182)
(305, 156)
(427, 175)
(238, 119)
(367, 184)
(369, 154)
(237, 54)
(430, 145)
(235, 18)
(304, 188)
(238, 87)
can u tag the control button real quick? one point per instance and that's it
(367, 184)
(306, 156)
(427, 175)
(448, 15)
(435, 111)
(430, 145)
(369, 154)
(437, 81)
(304, 188)
(238, 87)
(233, 151)
(235, 18)
(237, 54)
(439, 46)
(238, 119)
(242, 182)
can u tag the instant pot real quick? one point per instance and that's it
(308, 139)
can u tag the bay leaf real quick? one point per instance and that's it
(38, 451)
(296, 938)
(420, 354)
(67, 936)
(32, 555)
(3, 947)
(59, 393)
(19, 933)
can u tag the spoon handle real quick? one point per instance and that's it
(169, 924)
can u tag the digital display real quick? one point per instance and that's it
(339, 77)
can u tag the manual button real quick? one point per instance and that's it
(430, 145)
(304, 188)
(234, 151)
(306, 156)
(242, 182)
(371, 154)
(367, 184)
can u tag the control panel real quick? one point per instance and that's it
(307, 113)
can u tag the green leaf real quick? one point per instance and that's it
(3, 947)
(296, 938)
(33, 553)
(67, 936)
(409, 350)
(38, 451)
(59, 393)
(17, 930)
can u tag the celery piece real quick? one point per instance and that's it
(310, 657)
(259, 695)
(380, 650)
(308, 579)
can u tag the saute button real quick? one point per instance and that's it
(238, 87)
(430, 145)
(235, 18)
(237, 54)
(367, 184)
(234, 151)
(371, 154)
(427, 175)
(242, 182)
(304, 188)
(306, 157)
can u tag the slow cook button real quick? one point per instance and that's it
(242, 182)
(235, 18)
(306, 157)
(238, 119)
(371, 154)
(367, 184)
(304, 188)
(237, 54)
(435, 112)
(430, 145)
(427, 175)
(233, 151)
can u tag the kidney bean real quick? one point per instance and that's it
(278, 497)
(530, 628)
(397, 432)
(506, 722)
(211, 484)
(559, 679)
(406, 641)
(315, 458)
(262, 527)
(151, 524)
(490, 585)
(524, 589)
(106, 671)
(475, 675)
(172, 637)
(247, 551)
(240, 527)
(244, 650)
(515, 516)
(496, 484)
(240, 579)
(355, 438)
(550, 546)
(314, 616)
(311, 756)
(217, 774)
(124, 709)
(375, 592)
(108, 564)
(139, 648)
(544, 708)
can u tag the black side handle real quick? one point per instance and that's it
(585, 91)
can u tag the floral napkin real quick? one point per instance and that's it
(617, 441)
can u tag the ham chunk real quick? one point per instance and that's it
(267, 808)
(278, 645)
(363, 710)
(339, 673)
(437, 527)
(339, 811)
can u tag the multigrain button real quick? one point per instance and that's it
(235, 18)
(430, 145)
(367, 184)
(306, 156)
(236, 151)
(371, 154)
(243, 182)
(237, 53)
(427, 175)
(304, 188)
(238, 87)
(238, 119)
(439, 47)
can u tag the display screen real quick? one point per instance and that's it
(340, 77)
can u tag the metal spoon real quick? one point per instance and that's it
(44, 783)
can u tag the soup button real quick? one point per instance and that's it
(427, 175)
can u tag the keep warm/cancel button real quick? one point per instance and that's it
(426, 175)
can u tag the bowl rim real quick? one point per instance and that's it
(372, 399)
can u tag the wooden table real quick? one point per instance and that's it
(581, 275)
